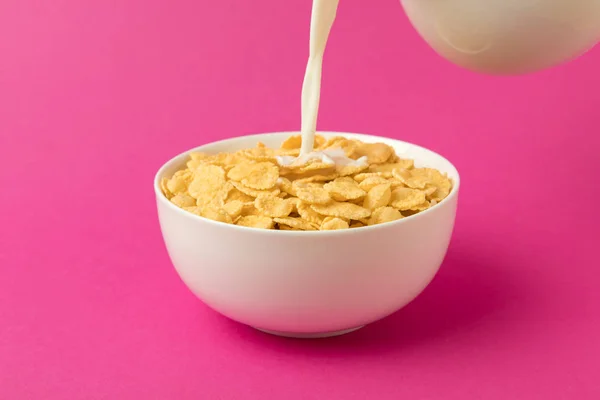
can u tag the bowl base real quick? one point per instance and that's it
(303, 335)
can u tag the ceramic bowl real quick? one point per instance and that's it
(308, 284)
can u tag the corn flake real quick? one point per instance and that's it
(183, 200)
(343, 189)
(357, 224)
(331, 224)
(253, 192)
(406, 198)
(402, 164)
(361, 177)
(234, 208)
(342, 210)
(350, 169)
(216, 214)
(297, 223)
(255, 221)
(376, 153)
(164, 188)
(260, 154)
(378, 196)
(292, 143)
(272, 206)
(384, 214)
(412, 181)
(317, 178)
(307, 213)
(372, 181)
(258, 176)
(179, 182)
(312, 194)
(236, 194)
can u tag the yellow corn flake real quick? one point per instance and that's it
(409, 179)
(376, 153)
(255, 221)
(334, 142)
(406, 198)
(285, 185)
(212, 195)
(372, 181)
(429, 190)
(294, 202)
(317, 178)
(327, 219)
(319, 141)
(332, 224)
(303, 185)
(194, 210)
(357, 224)
(297, 223)
(361, 177)
(198, 156)
(193, 164)
(224, 160)
(426, 178)
(421, 207)
(259, 176)
(384, 214)
(260, 154)
(402, 164)
(239, 172)
(350, 169)
(358, 202)
(249, 209)
(343, 189)
(179, 182)
(342, 210)
(272, 206)
(236, 194)
(307, 213)
(263, 176)
(216, 214)
(197, 159)
(438, 180)
(348, 146)
(253, 192)
(315, 166)
(234, 208)
(396, 183)
(441, 193)
(292, 143)
(313, 195)
(213, 172)
(183, 200)
(378, 196)
(164, 188)
(288, 153)
(209, 183)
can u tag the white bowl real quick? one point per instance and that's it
(308, 284)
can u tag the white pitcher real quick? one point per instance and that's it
(507, 36)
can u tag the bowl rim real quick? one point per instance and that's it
(361, 136)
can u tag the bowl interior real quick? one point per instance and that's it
(421, 156)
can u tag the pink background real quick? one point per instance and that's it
(95, 95)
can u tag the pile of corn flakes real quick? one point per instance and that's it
(249, 187)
